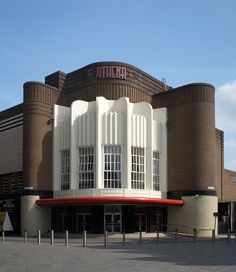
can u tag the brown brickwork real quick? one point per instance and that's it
(219, 162)
(191, 137)
(195, 148)
(138, 86)
(82, 84)
(37, 134)
(18, 109)
(229, 186)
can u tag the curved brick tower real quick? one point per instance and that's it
(191, 151)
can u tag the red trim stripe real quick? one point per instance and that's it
(109, 200)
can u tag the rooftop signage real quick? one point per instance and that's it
(111, 71)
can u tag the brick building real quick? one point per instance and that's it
(109, 147)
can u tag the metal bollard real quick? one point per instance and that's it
(84, 238)
(67, 238)
(140, 237)
(157, 240)
(3, 236)
(194, 235)
(176, 235)
(228, 236)
(25, 237)
(123, 238)
(39, 237)
(106, 238)
(52, 237)
(213, 238)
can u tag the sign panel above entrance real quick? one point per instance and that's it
(111, 71)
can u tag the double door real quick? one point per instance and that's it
(83, 222)
(140, 222)
(112, 222)
(62, 222)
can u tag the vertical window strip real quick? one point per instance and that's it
(112, 166)
(137, 168)
(65, 169)
(156, 170)
(85, 172)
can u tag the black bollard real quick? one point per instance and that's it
(194, 235)
(228, 236)
(39, 237)
(176, 236)
(123, 238)
(213, 238)
(140, 237)
(157, 237)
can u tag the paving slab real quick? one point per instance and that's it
(149, 256)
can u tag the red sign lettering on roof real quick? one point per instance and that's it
(111, 71)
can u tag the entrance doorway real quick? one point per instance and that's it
(112, 222)
(62, 222)
(159, 223)
(140, 221)
(83, 222)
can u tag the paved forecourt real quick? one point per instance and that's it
(147, 256)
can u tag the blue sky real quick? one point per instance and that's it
(182, 41)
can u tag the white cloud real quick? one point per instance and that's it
(228, 90)
(226, 107)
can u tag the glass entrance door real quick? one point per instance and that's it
(62, 222)
(140, 222)
(83, 222)
(159, 222)
(112, 222)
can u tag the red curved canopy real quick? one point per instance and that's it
(109, 200)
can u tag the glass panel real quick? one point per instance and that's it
(87, 218)
(138, 168)
(117, 228)
(136, 219)
(156, 171)
(85, 174)
(112, 166)
(80, 218)
(65, 169)
(142, 219)
(116, 218)
(109, 228)
(108, 218)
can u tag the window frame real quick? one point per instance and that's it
(112, 166)
(65, 169)
(138, 168)
(156, 170)
(86, 167)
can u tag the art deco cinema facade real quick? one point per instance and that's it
(108, 147)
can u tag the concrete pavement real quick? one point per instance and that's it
(149, 256)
